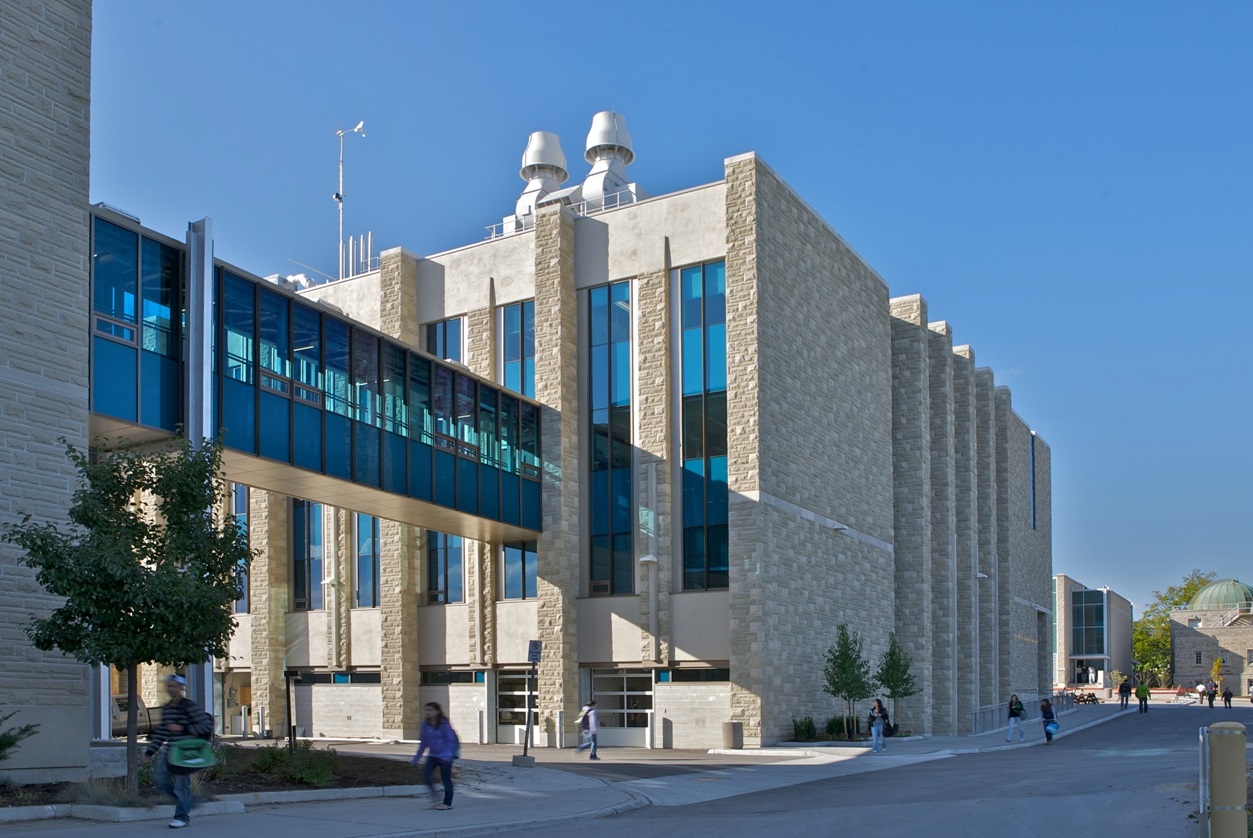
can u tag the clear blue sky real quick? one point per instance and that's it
(1070, 186)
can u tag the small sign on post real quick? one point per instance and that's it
(533, 649)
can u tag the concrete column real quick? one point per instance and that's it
(944, 625)
(985, 506)
(1228, 798)
(967, 535)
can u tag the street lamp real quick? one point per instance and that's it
(339, 196)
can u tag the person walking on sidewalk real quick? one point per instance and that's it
(1227, 697)
(1142, 694)
(878, 724)
(181, 718)
(1048, 717)
(440, 740)
(589, 725)
(1015, 720)
(1124, 693)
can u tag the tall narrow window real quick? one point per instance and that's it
(610, 495)
(306, 555)
(367, 561)
(443, 339)
(520, 574)
(517, 346)
(239, 511)
(1033, 480)
(444, 567)
(702, 318)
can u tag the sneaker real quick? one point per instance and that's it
(178, 823)
(593, 756)
(442, 806)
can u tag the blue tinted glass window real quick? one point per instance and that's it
(336, 364)
(442, 399)
(115, 271)
(703, 367)
(443, 339)
(275, 342)
(239, 511)
(307, 354)
(518, 347)
(160, 286)
(610, 381)
(444, 568)
(306, 555)
(367, 561)
(365, 374)
(489, 450)
(239, 325)
(421, 423)
(520, 570)
(395, 405)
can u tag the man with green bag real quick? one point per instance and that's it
(181, 719)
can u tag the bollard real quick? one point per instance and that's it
(1228, 796)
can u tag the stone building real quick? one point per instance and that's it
(1093, 636)
(676, 439)
(1216, 624)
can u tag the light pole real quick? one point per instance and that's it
(339, 196)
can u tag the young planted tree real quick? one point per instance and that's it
(893, 673)
(148, 567)
(1216, 671)
(847, 673)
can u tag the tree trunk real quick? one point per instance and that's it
(132, 723)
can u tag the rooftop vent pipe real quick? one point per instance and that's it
(543, 168)
(609, 151)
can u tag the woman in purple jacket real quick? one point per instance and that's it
(441, 741)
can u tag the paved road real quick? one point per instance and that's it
(1134, 775)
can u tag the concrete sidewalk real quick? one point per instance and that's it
(562, 787)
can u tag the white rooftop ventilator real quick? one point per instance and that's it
(543, 168)
(610, 151)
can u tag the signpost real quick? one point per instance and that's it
(533, 649)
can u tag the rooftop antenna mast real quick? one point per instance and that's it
(339, 196)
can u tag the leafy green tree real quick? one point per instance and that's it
(1216, 671)
(893, 673)
(148, 567)
(847, 672)
(1150, 635)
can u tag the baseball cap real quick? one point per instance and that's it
(177, 679)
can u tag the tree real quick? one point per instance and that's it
(1216, 671)
(148, 567)
(847, 672)
(1150, 635)
(893, 673)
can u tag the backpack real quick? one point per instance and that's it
(585, 723)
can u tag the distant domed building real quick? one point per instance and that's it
(1217, 623)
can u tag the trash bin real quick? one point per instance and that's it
(733, 735)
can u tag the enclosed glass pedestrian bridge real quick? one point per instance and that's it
(307, 402)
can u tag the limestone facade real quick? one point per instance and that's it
(876, 477)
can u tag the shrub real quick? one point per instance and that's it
(10, 737)
(804, 729)
(302, 764)
(835, 726)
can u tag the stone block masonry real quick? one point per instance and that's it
(45, 83)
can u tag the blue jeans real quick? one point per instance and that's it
(445, 770)
(1015, 721)
(589, 741)
(177, 786)
(876, 737)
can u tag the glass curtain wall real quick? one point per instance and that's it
(518, 347)
(612, 522)
(306, 552)
(702, 317)
(367, 550)
(444, 567)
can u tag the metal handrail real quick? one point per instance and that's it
(521, 223)
(992, 717)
